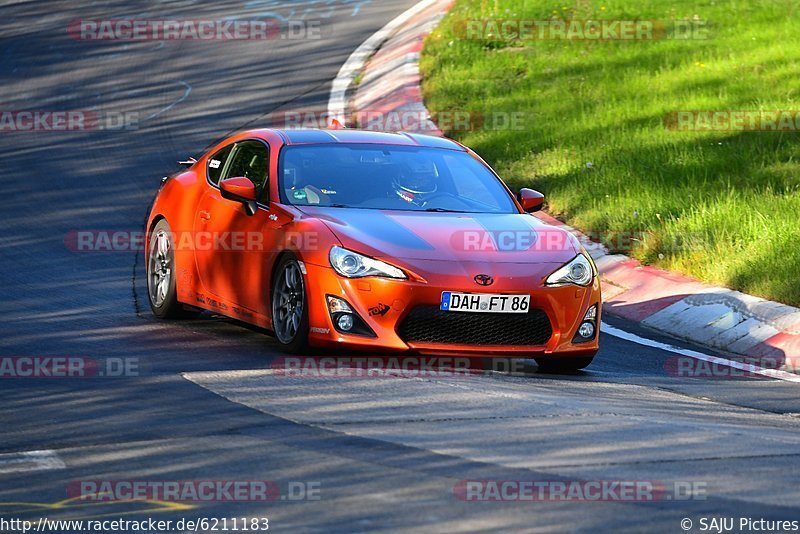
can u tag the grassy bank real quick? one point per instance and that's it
(723, 206)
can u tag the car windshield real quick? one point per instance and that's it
(390, 177)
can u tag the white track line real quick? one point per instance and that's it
(19, 462)
(337, 103)
(752, 369)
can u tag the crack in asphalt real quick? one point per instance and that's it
(459, 419)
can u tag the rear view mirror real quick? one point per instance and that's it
(530, 200)
(240, 189)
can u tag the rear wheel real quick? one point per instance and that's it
(564, 365)
(161, 290)
(290, 306)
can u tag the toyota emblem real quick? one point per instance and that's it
(484, 280)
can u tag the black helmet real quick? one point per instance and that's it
(416, 181)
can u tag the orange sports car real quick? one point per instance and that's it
(372, 241)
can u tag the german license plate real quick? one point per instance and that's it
(485, 302)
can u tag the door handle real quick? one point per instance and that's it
(206, 216)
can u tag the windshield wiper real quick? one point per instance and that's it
(443, 210)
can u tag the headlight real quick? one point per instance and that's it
(578, 271)
(354, 265)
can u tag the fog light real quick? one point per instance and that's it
(345, 319)
(345, 322)
(586, 330)
(337, 305)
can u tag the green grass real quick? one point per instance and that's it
(721, 206)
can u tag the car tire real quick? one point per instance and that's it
(564, 365)
(290, 306)
(161, 274)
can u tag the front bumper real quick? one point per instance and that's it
(385, 304)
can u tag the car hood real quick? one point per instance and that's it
(460, 237)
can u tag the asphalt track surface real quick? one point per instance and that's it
(385, 453)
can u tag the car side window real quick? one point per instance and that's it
(250, 159)
(216, 164)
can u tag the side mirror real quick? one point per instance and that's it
(240, 189)
(531, 200)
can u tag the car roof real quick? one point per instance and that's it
(315, 136)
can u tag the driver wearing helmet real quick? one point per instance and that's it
(415, 184)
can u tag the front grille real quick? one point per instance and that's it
(429, 324)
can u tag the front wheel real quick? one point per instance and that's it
(161, 272)
(564, 365)
(290, 306)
